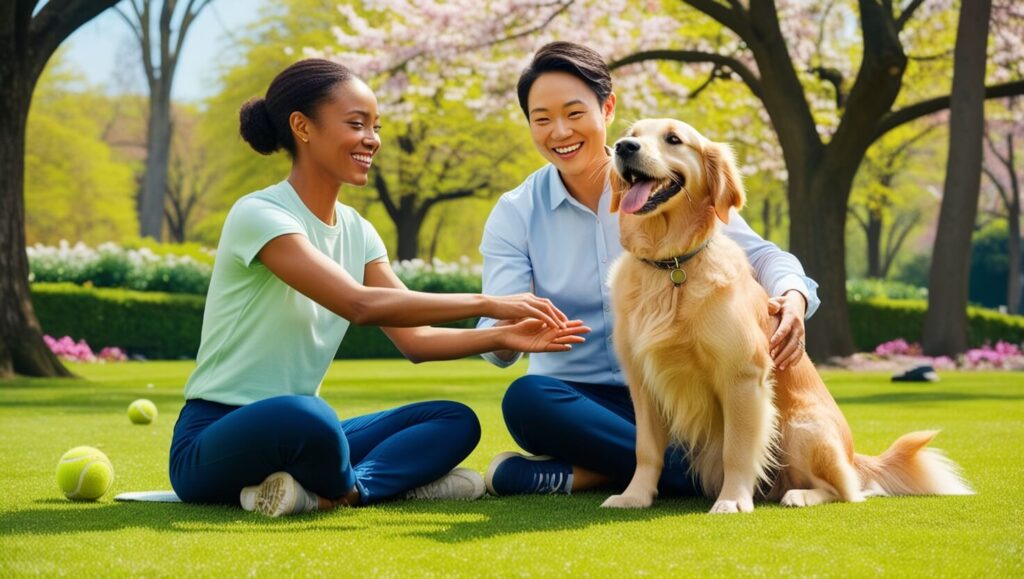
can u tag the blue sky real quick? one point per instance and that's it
(104, 49)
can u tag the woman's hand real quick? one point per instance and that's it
(526, 305)
(787, 343)
(533, 335)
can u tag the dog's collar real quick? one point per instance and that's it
(675, 264)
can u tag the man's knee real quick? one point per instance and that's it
(529, 394)
(530, 408)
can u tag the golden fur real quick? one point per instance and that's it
(697, 359)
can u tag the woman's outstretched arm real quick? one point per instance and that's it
(300, 265)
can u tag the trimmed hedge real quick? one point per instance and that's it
(880, 320)
(159, 325)
(152, 324)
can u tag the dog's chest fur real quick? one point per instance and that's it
(686, 345)
(699, 322)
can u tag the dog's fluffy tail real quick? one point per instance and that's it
(908, 468)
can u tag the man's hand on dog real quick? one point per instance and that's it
(787, 343)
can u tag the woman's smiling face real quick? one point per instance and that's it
(343, 138)
(567, 123)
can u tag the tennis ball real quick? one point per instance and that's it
(142, 411)
(84, 473)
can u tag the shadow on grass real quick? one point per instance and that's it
(66, 517)
(520, 515)
(911, 397)
(445, 522)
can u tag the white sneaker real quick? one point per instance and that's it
(460, 484)
(279, 494)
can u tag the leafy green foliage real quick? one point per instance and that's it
(866, 289)
(155, 325)
(990, 265)
(110, 265)
(75, 187)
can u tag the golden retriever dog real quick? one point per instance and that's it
(692, 333)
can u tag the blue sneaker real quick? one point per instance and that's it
(511, 473)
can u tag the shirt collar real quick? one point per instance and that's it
(557, 193)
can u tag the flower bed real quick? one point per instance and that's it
(899, 354)
(111, 265)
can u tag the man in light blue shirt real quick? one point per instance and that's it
(554, 235)
(539, 238)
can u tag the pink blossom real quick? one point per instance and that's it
(67, 349)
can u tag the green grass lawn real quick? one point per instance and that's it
(981, 415)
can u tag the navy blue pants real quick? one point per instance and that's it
(218, 449)
(592, 426)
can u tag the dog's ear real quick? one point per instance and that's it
(618, 186)
(723, 180)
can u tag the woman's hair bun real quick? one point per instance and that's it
(256, 127)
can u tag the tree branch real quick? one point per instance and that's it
(443, 197)
(936, 56)
(907, 13)
(135, 29)
(1003, 194)
(715, 72)
(894, 247)
(833, 77)
(694, 56)
(992, 147)
(860, 220)
(924, 108)
(186, 22)
(54, 22)
(564, 6)
(734, 18)
(907, 144)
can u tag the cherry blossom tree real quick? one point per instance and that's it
(832, 77)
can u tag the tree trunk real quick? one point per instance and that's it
(766, 218)
(408, 230)
(817, 226)
(873, 232)
(158, 147)
(945, 322)
(22, 350)
(1013, 285)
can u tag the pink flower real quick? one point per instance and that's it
(66, 348)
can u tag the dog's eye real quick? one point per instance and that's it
(673, 140)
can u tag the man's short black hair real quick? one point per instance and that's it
(580, 61)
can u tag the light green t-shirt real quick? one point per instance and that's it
(262, 338)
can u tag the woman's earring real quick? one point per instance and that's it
(305, 140)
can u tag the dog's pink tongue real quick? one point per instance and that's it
(635, 198)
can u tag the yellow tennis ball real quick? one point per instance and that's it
(142, 411)
(84, 473)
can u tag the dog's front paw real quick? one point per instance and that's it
(627, 502)
(728, 506)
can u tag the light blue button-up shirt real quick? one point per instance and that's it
(540, 239)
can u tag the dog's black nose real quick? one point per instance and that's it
(626, 147)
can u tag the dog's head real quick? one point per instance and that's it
(665, 167)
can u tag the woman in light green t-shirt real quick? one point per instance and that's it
(293, 268)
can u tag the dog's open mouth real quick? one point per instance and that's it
(645, 193)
